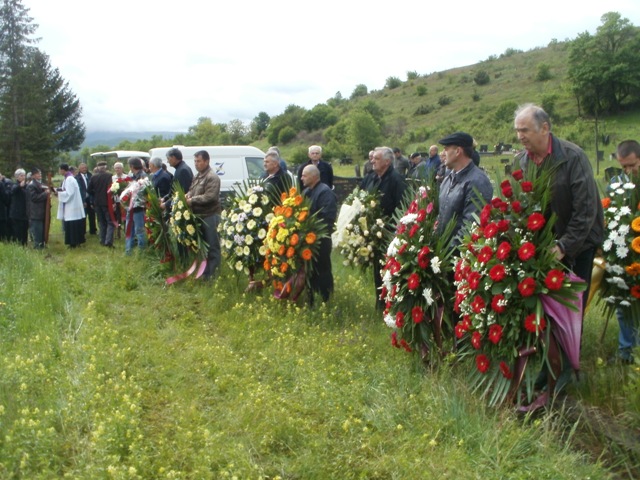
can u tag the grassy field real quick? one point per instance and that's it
(107, 373)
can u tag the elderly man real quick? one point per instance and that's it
(160, 178)
(204, 199)
(418, 170)
(98, 188)
(324, 203)
(37, 203)
(628, 155)
(368, 166)
(579, 226)
(18, 208)
(325, 168)
(391, 186)
(277, 180)
(465, 188)
(5, 201)
(433, 162)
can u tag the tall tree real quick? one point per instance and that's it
(604, 68)
(39, 114)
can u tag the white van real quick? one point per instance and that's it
(122, 156)
(233, 163)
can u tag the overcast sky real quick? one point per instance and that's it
(150, 65)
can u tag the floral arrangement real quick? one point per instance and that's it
(156, 227)
(416, 280)
(361, 229)
(505, 271)
(133, 192)
(184, 225)
(119, 186)
(292, 243)
(243, 228)
(621, 286)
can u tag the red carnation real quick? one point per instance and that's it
(413, 230)
(485, 254)
(394, 339)
(496, 202)
(475, 236)
(535, 222)
(503, 225)
(517, 175)
(496, 303)
(516, 206)
(497, 272)
(478, 305)
(490, 230)
(476, 340)
(401, 229)
(402, 248)
(399, 319)
(554, 279)
(505, 370)
(473, 279)
(383, 292)
(417, 314)
(505, 183)
(527, 287)
(459, 330)
(504, 249)
(507, 191)
(526, 251)
(423, 255)
(405, 345)
(422, 214)
(532, 323)
(413, 208)
(635, 291)
(482, 362)
(413, 282)
(527, 187)
(495, 333)
(485, 215)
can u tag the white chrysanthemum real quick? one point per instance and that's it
(234, 218)
(269, 217)
(238, 250)
(379, 222)
(409, 218)
(264, 200)
(390, 321)
(247, 251)
(610, 299)
(253, 198)
(247, 208)
(248, 240)
(625, 210)
(262, 233)
(257, 211)
(379, 234)
(393, 247)
(625, 303)
(228, 244)
(428, 296)
(629, 186)
(262, 250)
(224, 214)
(616, 269)
(251, 224)
(606, 246)
(238, 265)
(386, 280)
(623, 230)
(616, 185)
(622, 251)
(435, 264)
(239, 227)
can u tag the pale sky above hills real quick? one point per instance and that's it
(150, 65)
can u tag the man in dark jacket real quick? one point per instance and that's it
(83, 177)
(37, 202)
(98, 189)
(391, 186)
(324, 203)
(183, 173)
(325, 168)
(160, 178)
(18, 209)
(579, 227)
(5, 201)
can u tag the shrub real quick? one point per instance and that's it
(445, 100)
(543, 72)
(424, 109)
(481, 77)
(476, 97)
(504, 112)
(412, 75)
(421, 90)
(393, 82)
(286, 135)
(359, 91)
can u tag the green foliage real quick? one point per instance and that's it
(412, 75)
(543, 72)
(360, 91)
(363, 131)
(481, 78)
(424, 109)
(444, 100)
(336, 101)
(421, 90)
(286, 135)
(505, 111)
(548, 103)
(604, 68)
(320, 116)
(509, 52)
(259, 124)
(475, 96)
(392, 82)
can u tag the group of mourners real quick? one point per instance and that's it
(463, 188)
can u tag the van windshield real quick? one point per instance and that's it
(255, 167)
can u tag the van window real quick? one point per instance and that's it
(255, 167)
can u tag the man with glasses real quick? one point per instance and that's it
(325, 168)
(465, 189)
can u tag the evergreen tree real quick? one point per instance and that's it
(39, 114)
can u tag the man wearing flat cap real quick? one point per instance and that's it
(465, 189)
(418, 169)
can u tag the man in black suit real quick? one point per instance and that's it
(83, 178)
(98, 190)
(160, 178)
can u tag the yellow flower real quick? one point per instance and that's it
(187, 215)
(178, 215)
(190, 229)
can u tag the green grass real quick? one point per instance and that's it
(106, 373)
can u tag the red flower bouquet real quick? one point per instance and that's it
(416, 280)
(505, 270)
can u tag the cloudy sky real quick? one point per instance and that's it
(150, 65)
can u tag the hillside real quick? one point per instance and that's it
(111, 139)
